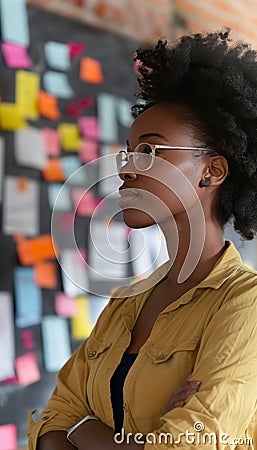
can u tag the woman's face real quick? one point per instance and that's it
(171, 186)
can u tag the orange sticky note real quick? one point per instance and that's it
(91, 70)
(48, 106)
(53, 170)
(45, 275)
(32, 251)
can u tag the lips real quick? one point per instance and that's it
(127, 196)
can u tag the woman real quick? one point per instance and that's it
(190, 166)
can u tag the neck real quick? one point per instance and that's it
(193, 250)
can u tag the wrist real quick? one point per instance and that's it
(71, 431)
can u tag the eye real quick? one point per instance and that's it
(144, 149)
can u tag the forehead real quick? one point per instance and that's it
(167, 119)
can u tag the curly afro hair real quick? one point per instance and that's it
(217, 79)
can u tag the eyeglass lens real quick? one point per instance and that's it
(142, 157)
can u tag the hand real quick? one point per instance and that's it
(177, 399)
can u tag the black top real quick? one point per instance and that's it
(117, 382)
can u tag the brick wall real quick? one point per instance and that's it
(143, 19)
(146, 20)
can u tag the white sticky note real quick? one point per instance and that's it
(107, 117)
(29, 148)
(108, 250)
(74, 274)
(73, 170)
(58, 84)
(14, 22)
(7, 337)
(57, 55)
(123, 107)
(108, 176)
(20, 206)
(56, 342)
(2, 151)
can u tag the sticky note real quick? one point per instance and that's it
(51, 141)
(27, 89)
(7, 337)
(57, 55)
(65, 306)
(28, 297)
(16, 56)
(74, 172)
(58, 84)
(2, 153)
(59, 197)
(29, 148)
(8, 437)
(69, 135)
(27, 339)
(124, 112)
(56, 342)
(108, 175)
(89, 127)
(74, 273)
(84, 202)
(88, 151)
(27, 369)
(48, 106)
(14, 22)
(45, 275)
(107, 116)
(75, 49)
(11, 117)
(81, 325)
(65, 222)
(38, 249)
(53, 170)
(20, 206)
(77, 108)
(91, 70)
(107, 251)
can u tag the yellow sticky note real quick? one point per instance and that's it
(70, 137)
(81, 325)
(11, 117)
(27, 89)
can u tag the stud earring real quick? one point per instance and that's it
(205, 182)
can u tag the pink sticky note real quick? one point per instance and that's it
(84, 203)
(89, 127)
(8, 437)
(52, 141)
(27, 369)
(65, 306)
(16, 56)
(27, 338)
(88, 151)
(65, 222)
(75, 49)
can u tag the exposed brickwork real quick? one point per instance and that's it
(146, 20)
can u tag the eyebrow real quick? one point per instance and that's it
(148, 135)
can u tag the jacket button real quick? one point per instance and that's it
(92, 353)
(161, 357)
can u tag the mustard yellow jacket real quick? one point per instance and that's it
(211, 330)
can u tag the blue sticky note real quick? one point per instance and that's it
(57, 55)
(124, 112)
(28, 297)
(72, 168)
(57, 84)
(14, 22)
(107, 116)
(59, 197)
(56, 342)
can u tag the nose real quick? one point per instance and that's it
(127, 176)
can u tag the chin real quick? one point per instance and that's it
(135, 218)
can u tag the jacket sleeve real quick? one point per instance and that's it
(67, 404)
(218, 415)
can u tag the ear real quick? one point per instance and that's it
(217, 170)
